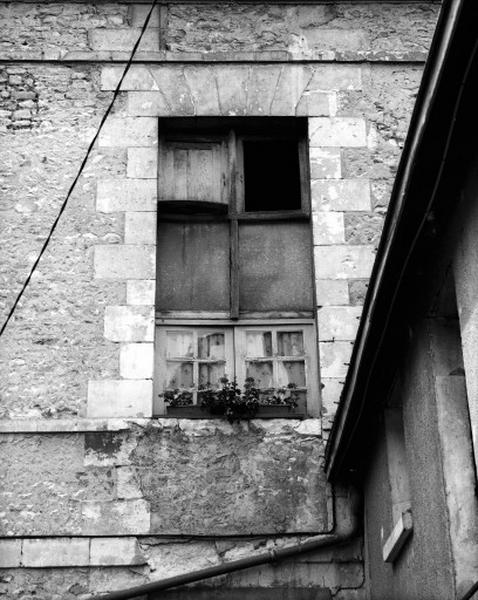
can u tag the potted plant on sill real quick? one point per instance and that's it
(232, 403)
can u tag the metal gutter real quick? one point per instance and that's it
(342, 535)
(345, 423)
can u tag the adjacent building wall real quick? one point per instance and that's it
(82, 457)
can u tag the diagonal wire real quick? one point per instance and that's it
(80, 170)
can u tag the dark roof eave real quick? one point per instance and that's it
(397, 228)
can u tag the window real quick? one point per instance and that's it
(234, 264)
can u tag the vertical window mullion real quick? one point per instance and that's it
(195, 366)
(234, 227)
(275, 358)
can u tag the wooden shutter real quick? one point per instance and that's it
(193, 170)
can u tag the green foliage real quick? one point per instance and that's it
(178, 397)
(232, 403)
(229, 401)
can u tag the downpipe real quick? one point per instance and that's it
(341, 534)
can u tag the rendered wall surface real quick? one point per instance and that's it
(424, 567)
(80, 453)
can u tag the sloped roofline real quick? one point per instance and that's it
(413, 197)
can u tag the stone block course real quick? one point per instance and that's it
(325, 163)
(129, 323)
(328, 228)
(122, 517)
(140, 291)
(10, 553)
(125, 398)
(136, 361)
(140, 228)
(338, 322)
(343, 262)
(115, 551)
(341, 195)
(142, 163)
(334, 359)
(115, 195)
(332, 292)
(337, 131)
(128, 131)
(56, 552)
(125, 261)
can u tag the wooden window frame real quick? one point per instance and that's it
(234, 132)
(235, 362)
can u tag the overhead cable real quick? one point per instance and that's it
(80, 170)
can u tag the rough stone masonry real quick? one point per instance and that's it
(92, 483)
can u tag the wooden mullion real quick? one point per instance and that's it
(234, 226)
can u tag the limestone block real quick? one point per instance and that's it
(332, 292)
(334, 358)
(140, 291)
(331, 390)
(342, 195)
(124, 261)
(115, 195)
(139, 13)
(337, 131)
(127, 483)
(335, 77)
(126, 398)
(288, 93)
(115, 551)
(56, 552)
(121, 517)
(261, 86)
(140, 228)
(313, 104)
(129, 131)
(328, 228)
(10, 553)
(325, 163)
(148, 104)
(124, 39)
(204, 95)
(343, 262)
(139, 77)
(142, 163)
(231, 85)
(129, 323)
(136, 361)
(338, 322)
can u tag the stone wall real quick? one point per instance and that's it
(83, 457)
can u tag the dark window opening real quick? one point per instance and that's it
(271, 175)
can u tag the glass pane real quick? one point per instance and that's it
(179, 375)
(261, 372)
(211, 345)
(275, 267)
(179, 344)
(258, 343)
(210, 373)
(290, 343)
(271, 175)
(291, 372)
(193, 266)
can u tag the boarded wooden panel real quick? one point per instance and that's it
(275, 270)
(192, 171)
(193, 266)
